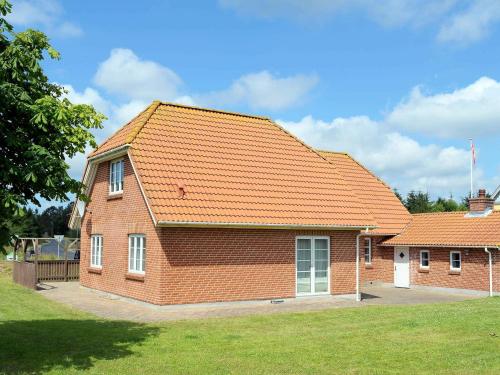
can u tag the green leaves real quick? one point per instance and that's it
(39, 126)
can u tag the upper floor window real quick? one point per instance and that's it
(96, 251)
(368, 250)
(424, 258)
(116, 176)
(455, 260)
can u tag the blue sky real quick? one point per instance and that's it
(400, 85)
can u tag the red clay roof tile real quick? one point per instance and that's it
(388, 211)
(235, 169)
(450, 229)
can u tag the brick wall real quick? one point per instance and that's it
(192, 265)
(115, 219)
(382, 266)
(208, 265)
(474, 274)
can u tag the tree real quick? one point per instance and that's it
(418, 202)
(54, 220)
(400, 197)
(39, 127)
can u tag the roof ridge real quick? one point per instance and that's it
(117, 131)
(439, 213)
(333, 152)
(137, 129)
(361, 165)
(214, 110)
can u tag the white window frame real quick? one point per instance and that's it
(428, 259)
(312, 238)
(116, 176)
(459, 258)
(369, 250)
(137, 253)
(96, 251)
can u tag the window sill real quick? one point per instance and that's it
(454, 272)
(97, 271)
(115, 196)
(423, 270)
(368, 266)
(134, 276)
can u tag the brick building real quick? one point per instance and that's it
(450, 250)
(191, 205)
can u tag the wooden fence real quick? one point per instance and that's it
(30, 273)
(58, 270)
(33, 269)
(24, 273)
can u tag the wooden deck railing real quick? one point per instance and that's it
(58, 270)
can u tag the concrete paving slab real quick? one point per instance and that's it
(114, 307)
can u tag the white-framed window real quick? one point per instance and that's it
(116, 176)
(96, 251)
(425, 258)
(455, 260)
(137, 253)
(368, 250)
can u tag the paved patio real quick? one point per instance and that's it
(113, 307)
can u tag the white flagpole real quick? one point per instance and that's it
(471, 167)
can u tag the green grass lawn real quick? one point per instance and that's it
(40, 336)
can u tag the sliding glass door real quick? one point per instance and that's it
(313, 265)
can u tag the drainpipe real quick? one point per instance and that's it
(358, 293)
(490, 261)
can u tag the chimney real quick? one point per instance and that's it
(481, 203)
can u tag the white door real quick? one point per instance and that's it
(313, 265)
(402, 267)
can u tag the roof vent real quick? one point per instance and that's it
(181, 188)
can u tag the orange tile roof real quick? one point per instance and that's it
(235, 169)
(388, 211)
(450, 229)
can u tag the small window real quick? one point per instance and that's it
(96, 251)
(116, 176)
(136, 253)
(368, 251)
(424, 258)
(455, 260)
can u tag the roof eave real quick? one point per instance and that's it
(193, 224)
(476, 246)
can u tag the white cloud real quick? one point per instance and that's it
(472, 24)
(88, 96)
(262, 90)
(455, 24)
(466, 112)
(125, 74)
(68, 30)
(45, 13)
(400, 160)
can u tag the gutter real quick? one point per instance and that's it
(358, 293)
(198, 224)
(490, 263)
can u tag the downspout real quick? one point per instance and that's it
(358, 293)
(490, 261)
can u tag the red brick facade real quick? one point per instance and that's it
(382, 265)
(474, 274)
(193, 265)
